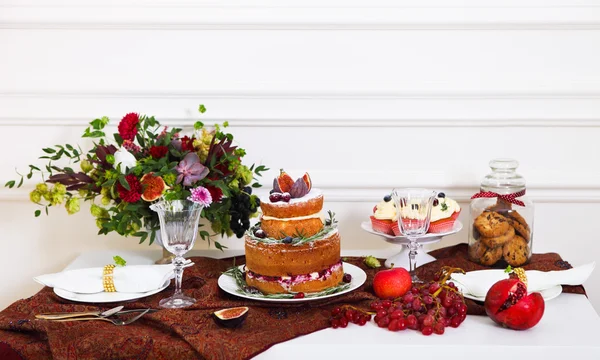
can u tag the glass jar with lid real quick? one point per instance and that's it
(501, 218)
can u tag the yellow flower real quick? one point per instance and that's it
(99, 223)
(59, 189)
(86, 166)
(56, 199)
(35, 196)
(244, 173)
(72, 205)
(41, 188)
(98, 211)
(169, 178)
(105, 200)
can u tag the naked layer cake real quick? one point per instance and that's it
(293, 249)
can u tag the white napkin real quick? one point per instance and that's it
(478, 283)
(127, 279)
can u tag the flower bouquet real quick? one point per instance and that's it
(144, 162)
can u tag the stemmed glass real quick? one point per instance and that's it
(179, 228)
(414, 213)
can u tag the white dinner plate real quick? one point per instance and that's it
(106, 297)
(547, 294)
(425, 239)
(228, 284)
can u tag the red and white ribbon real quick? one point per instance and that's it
(511, 198)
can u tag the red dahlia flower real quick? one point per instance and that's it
(159, 151)
(128, 126)
(215, 193)
(187, 143)
(135, 189)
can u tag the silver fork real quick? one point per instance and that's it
(117, 322)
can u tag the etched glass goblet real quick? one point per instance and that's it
(179, 229)
(414, 214)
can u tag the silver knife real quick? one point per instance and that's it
(56, 316)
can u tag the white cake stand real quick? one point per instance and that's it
(401, 259)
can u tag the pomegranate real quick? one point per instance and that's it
(508, 304)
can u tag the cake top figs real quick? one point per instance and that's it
(292, 207)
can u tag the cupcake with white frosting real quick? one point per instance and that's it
(385, 216)
(444, 213)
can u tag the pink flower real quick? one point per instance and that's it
(201, 195)
(190, 170)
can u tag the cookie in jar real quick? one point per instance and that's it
(501, 229)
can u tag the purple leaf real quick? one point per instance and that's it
(299, 189)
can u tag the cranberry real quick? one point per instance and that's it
(347, 278)
(299, 295)
(286, 197)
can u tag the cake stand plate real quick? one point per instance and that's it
(401, 258)
(229, 285)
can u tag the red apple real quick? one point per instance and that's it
(391, 283)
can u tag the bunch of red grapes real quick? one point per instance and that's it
(429, 307)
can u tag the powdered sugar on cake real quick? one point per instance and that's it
(313, 194)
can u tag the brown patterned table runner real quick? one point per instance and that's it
(192, 333)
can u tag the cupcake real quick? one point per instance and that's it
(444, 213)
(384, 216)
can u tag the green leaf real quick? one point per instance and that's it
(97, 124)
(49, 150)
(93, 134)
(70, 147)
(219, 246)
(124, 183)
(202, 109)
(198, 125)
(38, 213)
(118, 139)
(119, 261)
(152, 237)
(20, 182)
(10, 184)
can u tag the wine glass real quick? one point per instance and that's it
(179, 228)
(414, 213)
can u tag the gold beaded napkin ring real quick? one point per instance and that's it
(107, 278)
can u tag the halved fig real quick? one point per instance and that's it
(284, 181)
(231, 317)
(307, 181)
(153, 186)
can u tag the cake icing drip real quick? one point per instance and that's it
(288, 281)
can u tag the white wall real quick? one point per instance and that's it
(343, 89)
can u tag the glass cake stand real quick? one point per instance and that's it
(401, 258)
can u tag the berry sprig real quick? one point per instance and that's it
(341, 316)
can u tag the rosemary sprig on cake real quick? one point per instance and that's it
(244, 289)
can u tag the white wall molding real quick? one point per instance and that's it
(186, 123)
(308, 109)
(301, 15)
